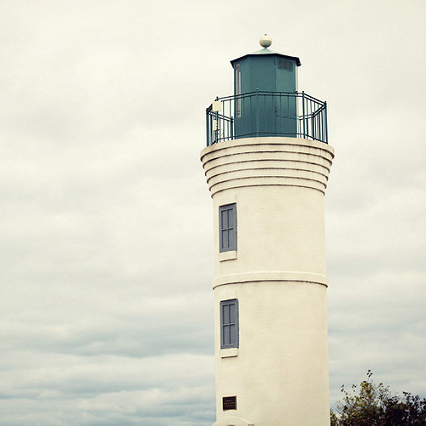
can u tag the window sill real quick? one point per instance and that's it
(227, 255)
(229, 353)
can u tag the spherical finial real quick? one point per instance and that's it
(265, 41)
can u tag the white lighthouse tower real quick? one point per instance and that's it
(267, 163)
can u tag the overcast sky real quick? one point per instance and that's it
(106, 307)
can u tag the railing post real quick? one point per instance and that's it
(303, 113)
(325, 119)
(216, 132)
(207, 127)
(257, 112)
(232, 128)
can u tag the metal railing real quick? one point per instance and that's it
(261, 113)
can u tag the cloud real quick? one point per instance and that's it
(68, 389)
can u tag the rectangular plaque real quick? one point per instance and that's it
(229, 403)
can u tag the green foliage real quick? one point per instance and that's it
(369, 404)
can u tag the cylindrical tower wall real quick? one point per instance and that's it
(280, 229)
(279, 371)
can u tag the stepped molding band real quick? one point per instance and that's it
(272, 161)
(268, 276)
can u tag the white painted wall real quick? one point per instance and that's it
(279, 373)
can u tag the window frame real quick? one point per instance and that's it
(229, 230)
(224, 325)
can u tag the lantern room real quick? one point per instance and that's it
(266, 101)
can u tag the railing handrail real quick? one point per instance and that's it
(272, 93)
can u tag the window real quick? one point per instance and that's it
(228, 227)
(238, 89)
(229, 324)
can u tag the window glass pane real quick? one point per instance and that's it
(232, 313)
(226, 314)
(224, 219)
(238, 89)
(225, 239)
(231, 239)
(230, 218)
(226, 335)
(237, 79)
(232, 334)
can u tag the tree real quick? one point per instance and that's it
(374, 405)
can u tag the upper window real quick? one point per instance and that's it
(229, 324)
(228, 227)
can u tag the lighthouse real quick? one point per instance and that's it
(267, 163)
